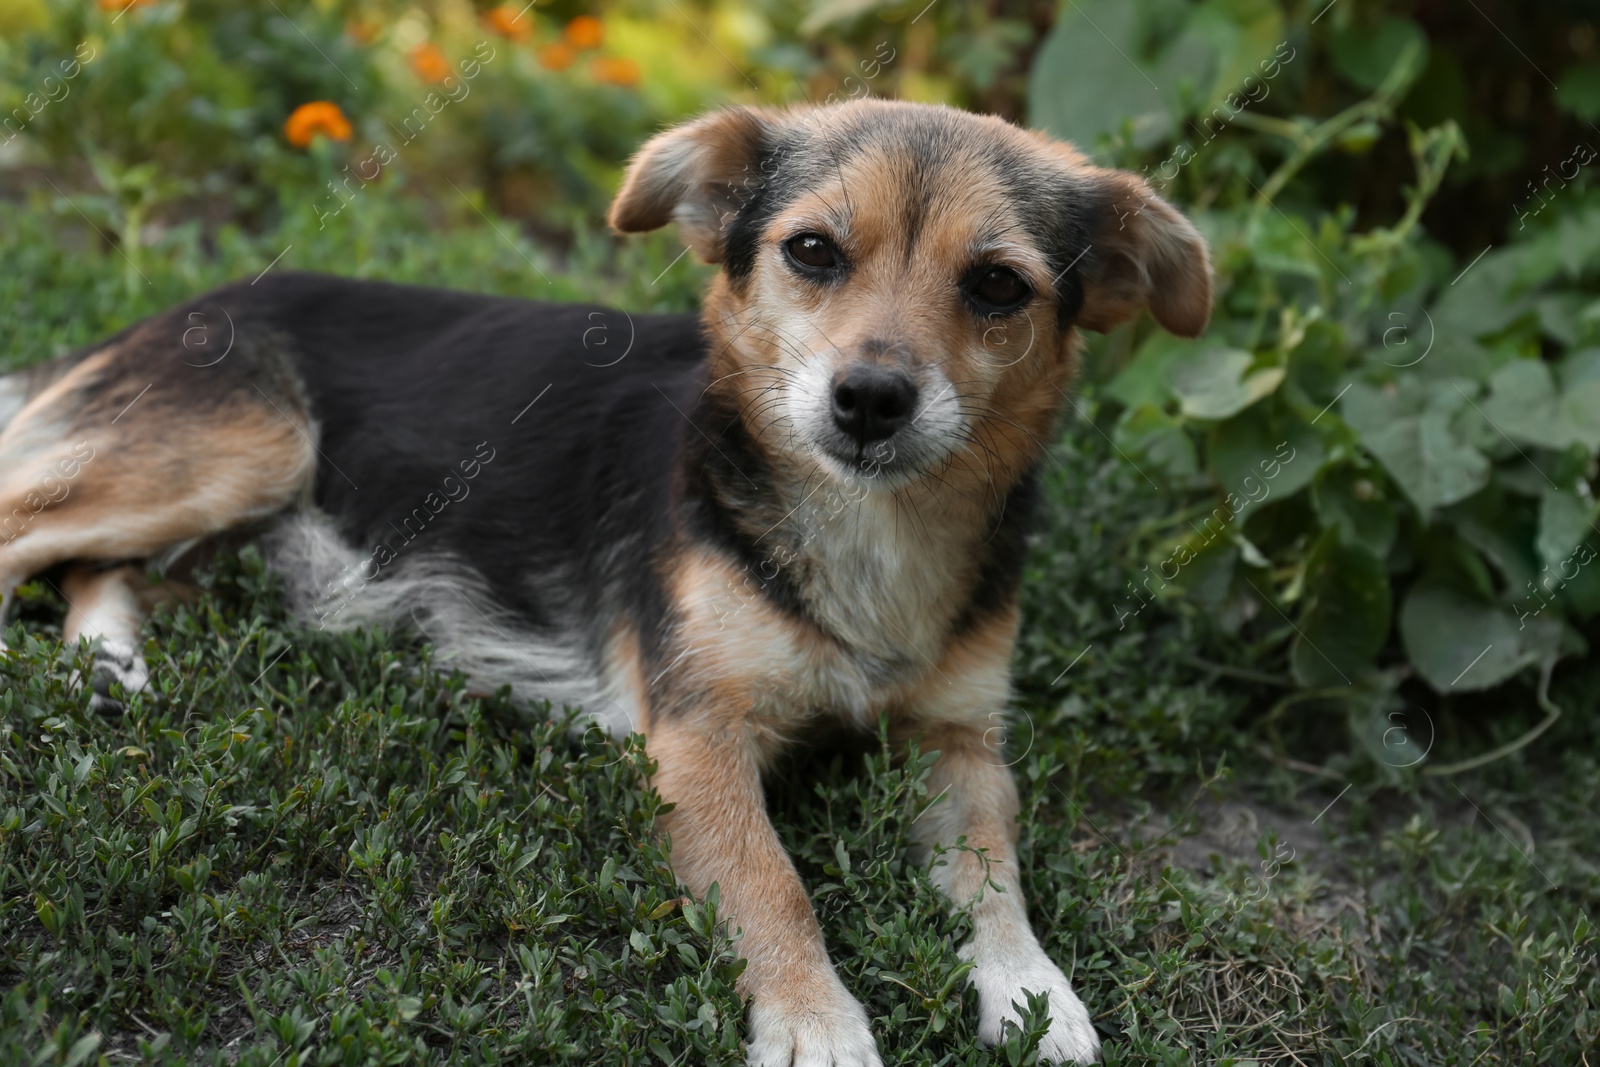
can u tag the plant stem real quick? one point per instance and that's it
(1552, 713)
(1376, 107)
(1242, 673)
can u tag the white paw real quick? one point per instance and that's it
(1004, 978)
(832, 1033)
(115, 662)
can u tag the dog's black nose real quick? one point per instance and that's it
(871, 401)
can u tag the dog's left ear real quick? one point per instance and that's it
(698, 175)
(1143, 254)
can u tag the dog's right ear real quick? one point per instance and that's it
(698, 175)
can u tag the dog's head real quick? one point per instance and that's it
(901, 281)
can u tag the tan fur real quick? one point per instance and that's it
(978, 801)
(735, 650)
(627, 666)
(969, 684)
(710, 768)
(160, 475)
(111, 602)
(100, 602)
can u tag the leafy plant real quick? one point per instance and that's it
(1380, 459)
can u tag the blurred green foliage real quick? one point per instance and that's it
(1381, 454)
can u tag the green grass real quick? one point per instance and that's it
(299, 848)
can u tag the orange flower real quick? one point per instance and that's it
(505, 21)
(555, 56)
(618, 70)
(584, 32)
(363, 31)
(429, 63)
(319, 116)
(122, 5)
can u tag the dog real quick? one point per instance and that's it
(806, 505)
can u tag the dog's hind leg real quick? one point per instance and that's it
(107, 606)
(131, 453)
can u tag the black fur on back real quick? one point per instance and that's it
(512, 435)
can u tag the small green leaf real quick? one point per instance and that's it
(1264, 454)
(1480, 298)
(834, 12)
(1318, 361)
(1563, 524)
(1284, 246)
(1219, 383)
(1090, 58)
(1144, 380)
(1148, 433)
(1502, 530)
(1459, 643)
(1354, 503)
(1359, 139)
(1580, 365)
(1523, 404)
(82, 1049)
(49, 914)
(1366, 54)
(1346, 616)
(1407, 426)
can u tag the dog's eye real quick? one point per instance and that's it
(1000, 287)
(814, 251)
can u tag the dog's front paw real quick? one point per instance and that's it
(826, 1031)
(1004, 980)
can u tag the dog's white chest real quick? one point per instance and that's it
(878, 579)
